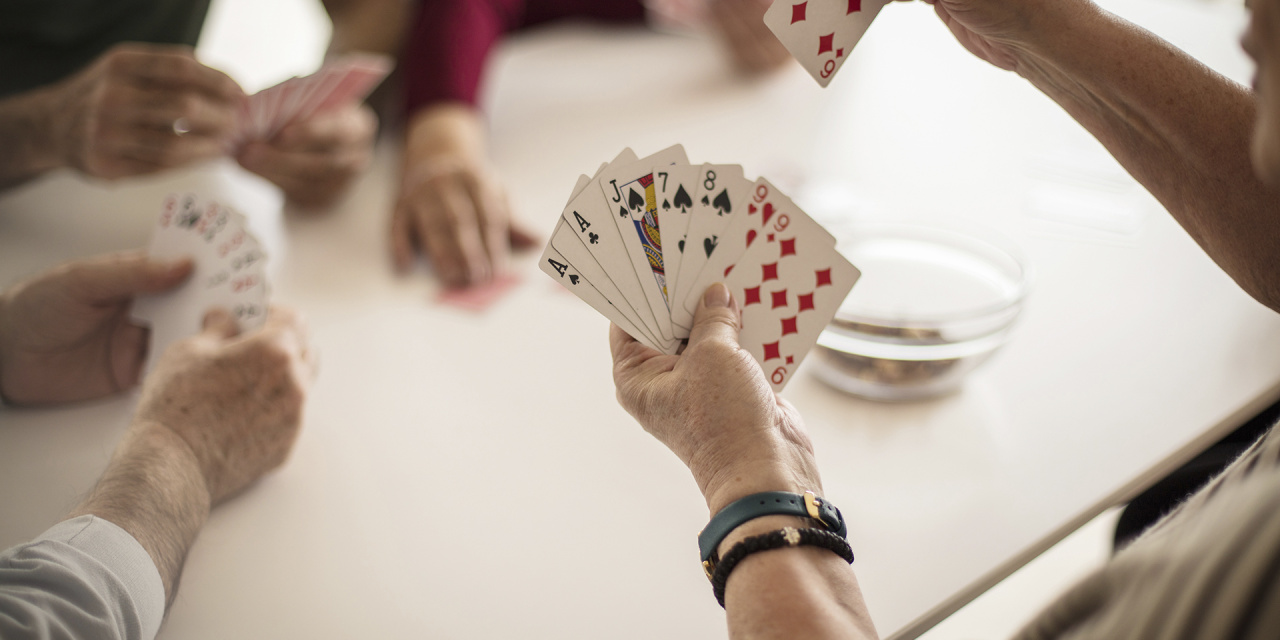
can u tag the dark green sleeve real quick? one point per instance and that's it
(43, 41)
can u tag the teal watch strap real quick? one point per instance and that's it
(769, 503)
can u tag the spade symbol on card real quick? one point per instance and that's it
(683, 201)
(709, 244)
(573, 279)
(706, 202)
(666, 205)
(635, 201)
(722, 203)
(622, 212)
(681, 245)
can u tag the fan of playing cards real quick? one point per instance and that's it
(780, 265)
(229, 273)
(344, 80)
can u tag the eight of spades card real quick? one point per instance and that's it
(723, 190)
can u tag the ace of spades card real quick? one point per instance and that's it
(821, 34)
(788, 285)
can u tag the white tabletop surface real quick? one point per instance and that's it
(468, 475)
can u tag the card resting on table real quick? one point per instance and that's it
(230, 270)
(642, 240)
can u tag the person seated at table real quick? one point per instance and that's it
(451, 206)
(219, 411)
(1205, 571)
(112, 89)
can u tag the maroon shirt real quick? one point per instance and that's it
(451, 39)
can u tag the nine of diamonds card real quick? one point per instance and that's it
(643, 239)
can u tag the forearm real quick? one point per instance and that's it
(28, 136)
(1178, 127)
(153, 489)
(446, 130)
(794, 592)
(375, 26)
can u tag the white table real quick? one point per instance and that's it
(471, 476)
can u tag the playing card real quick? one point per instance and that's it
(677, 189)
(821, 34)
(724, 191)
(789, 285)
(563, 268)
(766, 211)
(229, 271)
(630, 193)
(589, 217)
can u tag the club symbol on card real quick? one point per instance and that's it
(682, 200)
(710, 244)
(635, 201)
(722, 204)
(593, 237)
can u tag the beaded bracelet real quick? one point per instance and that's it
(782, 538)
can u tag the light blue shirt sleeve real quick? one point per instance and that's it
(83, 578)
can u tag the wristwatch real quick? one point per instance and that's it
(769, 503)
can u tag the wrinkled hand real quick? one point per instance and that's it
(455, 211)
(450, 205)
(122, 115)
(66, 335)
(315, 160)
(713, 408)
(999, 30)
(741, 24)
(235, 400)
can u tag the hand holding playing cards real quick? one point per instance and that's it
(315, 159)
(451, 206)
(996, 30)
(141, 108)
(714, 409)
(235, 400)
(66, 336)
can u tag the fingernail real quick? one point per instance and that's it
(717, 296)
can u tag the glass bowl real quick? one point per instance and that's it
(934, 302)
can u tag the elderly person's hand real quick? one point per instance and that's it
(66, 335)
(235, 400)
(999, 31)
(141, 108)
(713, 407)
(740, 23)
(315, 160)
(451, 206)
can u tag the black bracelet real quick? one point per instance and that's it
(782, 538)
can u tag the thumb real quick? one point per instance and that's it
(716, 318)
(220, 324)
(124, 275)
